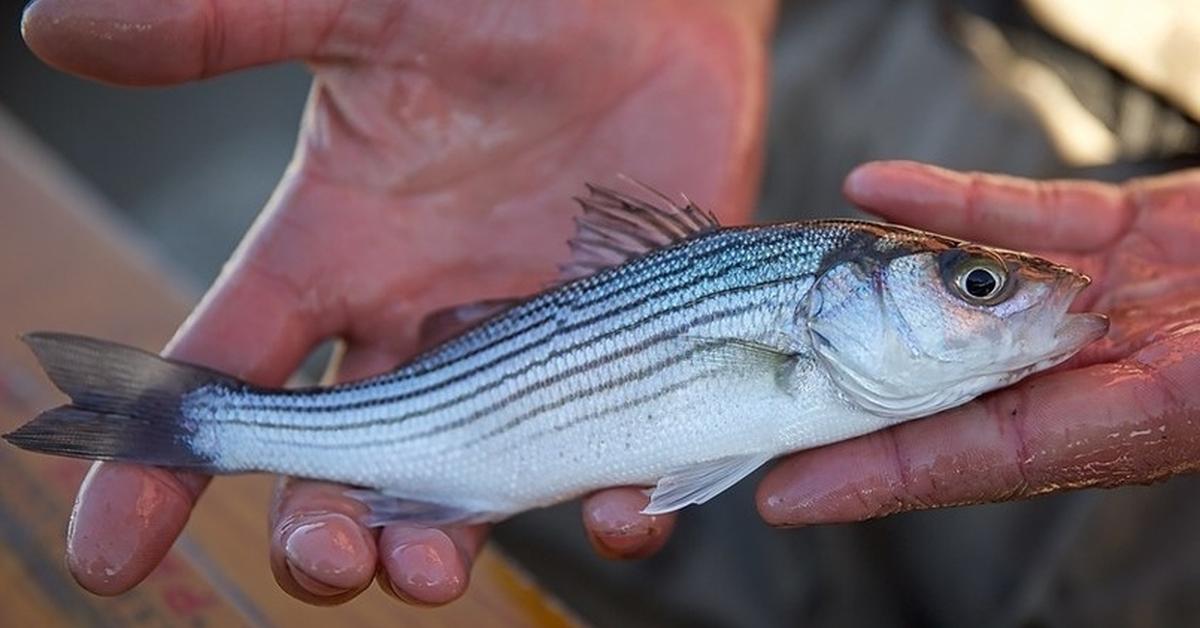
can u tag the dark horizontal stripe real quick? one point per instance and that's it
(549, 312)
(590, 366)
(538, 385)
(776, 233)
(625, 405)
(366, 403)
(670, 334)
(593, 391)
(541, 409)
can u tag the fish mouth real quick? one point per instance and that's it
(1074, 333)
(1075, 330)
(1073, 284)
(1069, 284)
(1079, 330)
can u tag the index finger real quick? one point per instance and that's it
(1061, 215)
(1105, 425)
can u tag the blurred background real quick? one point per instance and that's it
(968, 84)
(1039, 88)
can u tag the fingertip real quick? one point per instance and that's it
(320, 552)
(617, 528)
(123, 523)
(861, 180)
(118, 41)
(422, 566)
(329, 555)
(776, 507)
(847, 481)
(883, 185)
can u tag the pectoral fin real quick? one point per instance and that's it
(774, 359)
(737, 353)
(700, 483)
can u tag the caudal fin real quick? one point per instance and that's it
(125, 403)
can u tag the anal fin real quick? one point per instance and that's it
(700, 483)
(384, 509)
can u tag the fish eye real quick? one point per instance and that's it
(980, 281)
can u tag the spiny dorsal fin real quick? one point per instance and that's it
(616, 227)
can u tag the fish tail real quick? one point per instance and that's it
(126, 404)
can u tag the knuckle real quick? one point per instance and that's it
(908, 492)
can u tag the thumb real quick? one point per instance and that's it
(161, 42)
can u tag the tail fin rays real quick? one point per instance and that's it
(125, 403)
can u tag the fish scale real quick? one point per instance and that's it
(674, 354)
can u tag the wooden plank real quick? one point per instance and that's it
(65, 266)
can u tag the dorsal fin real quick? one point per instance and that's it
(616, 227)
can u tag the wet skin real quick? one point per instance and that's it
(448, 179)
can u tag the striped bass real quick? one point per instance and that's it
(674, 354)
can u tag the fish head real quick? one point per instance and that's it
(932, 324)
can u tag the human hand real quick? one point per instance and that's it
(1126, 410)
(439, 146)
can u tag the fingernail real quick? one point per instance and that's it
(124, 520)
(617, 527)
(423, 566)
(328, 555)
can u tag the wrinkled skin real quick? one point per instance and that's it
(435, 165)
(1126, 410)
(417, 194)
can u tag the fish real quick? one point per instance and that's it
(673, 353)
